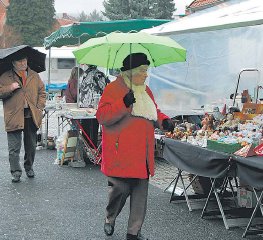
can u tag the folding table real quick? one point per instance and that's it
(93, 152)
(250, 171)
(209, 163)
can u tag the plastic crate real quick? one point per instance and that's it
(223, 147)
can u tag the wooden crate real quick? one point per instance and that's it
(252, 108)
(249, 108)
(243, 117)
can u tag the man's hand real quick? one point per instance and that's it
(14, 86)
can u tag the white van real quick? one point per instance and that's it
(62, 61)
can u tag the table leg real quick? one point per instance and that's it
(259, 204)
(170, 184)
(46, 128)
(175, 184)
(214, 190)
(185, 194)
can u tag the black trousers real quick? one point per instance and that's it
(91, 127)
(119, 190)
(14, 139)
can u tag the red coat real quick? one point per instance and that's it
(127, 141)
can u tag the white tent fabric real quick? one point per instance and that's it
(220, 42)
(226, 15)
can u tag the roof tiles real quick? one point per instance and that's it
(202, 3)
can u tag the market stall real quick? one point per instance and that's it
(227, 146)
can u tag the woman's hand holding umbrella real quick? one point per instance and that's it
(129, 99)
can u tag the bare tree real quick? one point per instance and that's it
(83, 17)
(95, 16)
(10, 37)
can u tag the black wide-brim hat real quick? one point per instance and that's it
(134, 60)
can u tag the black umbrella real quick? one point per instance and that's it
(36, 59)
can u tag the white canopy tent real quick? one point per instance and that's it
(220, 42)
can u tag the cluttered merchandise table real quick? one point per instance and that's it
(73, 117)
(216, 165)
(72, 141)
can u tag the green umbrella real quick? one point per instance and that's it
(110, 50)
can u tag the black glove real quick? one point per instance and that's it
(168, 125)
(129, 99)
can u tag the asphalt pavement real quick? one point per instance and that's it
(63, 202)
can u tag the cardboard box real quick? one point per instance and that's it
(158, 151)
(201, 185)
(246, 198)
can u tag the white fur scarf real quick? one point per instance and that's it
(144, 106)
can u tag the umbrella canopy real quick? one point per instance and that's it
(36, 59)
(77, 33)
(110, 50)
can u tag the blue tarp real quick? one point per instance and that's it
(56, 86)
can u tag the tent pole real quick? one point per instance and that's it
(78, 80)
(130, 66)
(238, 80)
(49, 70)
(47, 112)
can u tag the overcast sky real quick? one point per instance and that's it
(77, 6)
(88, 6)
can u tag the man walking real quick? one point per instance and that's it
(23, 95)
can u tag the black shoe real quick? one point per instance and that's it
(139, 236)
(16, 177)
(131, 237)
(30, 173)
(108, 229)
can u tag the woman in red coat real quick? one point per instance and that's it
(127, 118)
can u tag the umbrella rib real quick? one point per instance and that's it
(149, 53)
(181, 56)
(153, 58)
(116, 54)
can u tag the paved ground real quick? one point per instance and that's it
(68, 203)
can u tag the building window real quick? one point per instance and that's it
(66, 63)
